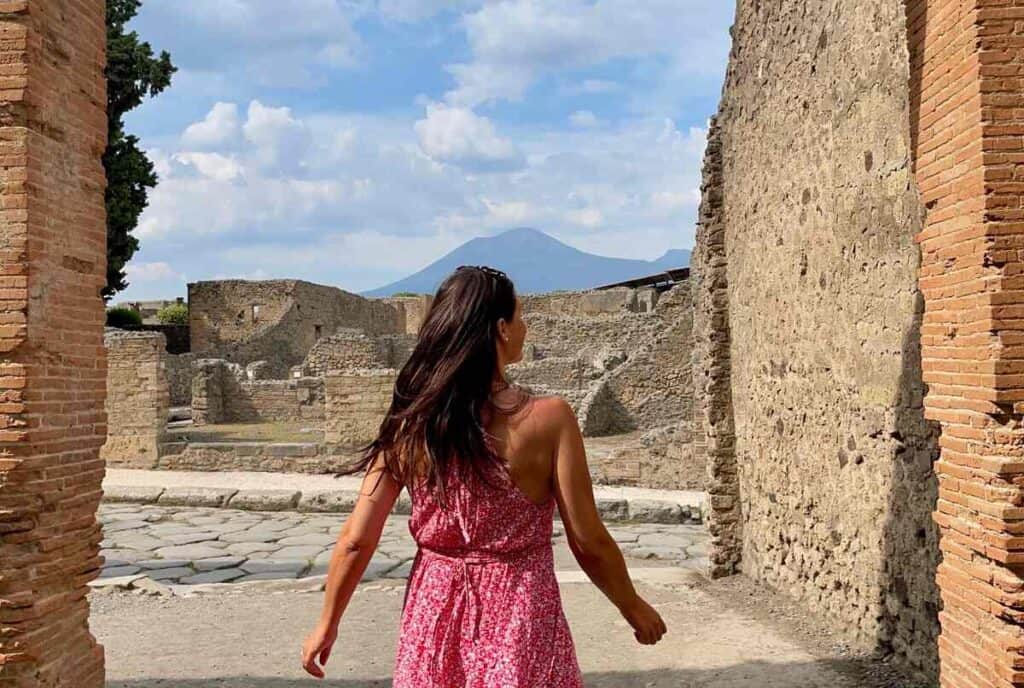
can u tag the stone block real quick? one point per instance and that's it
(133, 494)
(265, 500)
(339, 501)
(196, 496)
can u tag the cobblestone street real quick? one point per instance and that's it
(183, 546)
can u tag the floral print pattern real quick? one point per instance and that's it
(482, 607)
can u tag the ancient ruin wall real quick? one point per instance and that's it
(356, 403)
(278, 321)
(820, 211)
(654, 384)
(346, 349)
(137, 398)
(179, 378)
(53, 379)
(293, 400)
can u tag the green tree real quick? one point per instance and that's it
(133, 73)
(173, 314)
(123, 317)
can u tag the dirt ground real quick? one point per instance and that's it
(727, 634)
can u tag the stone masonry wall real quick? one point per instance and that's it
(278, 321)
(296, 399)
(820, 211)
(137, 398)
(356, 403)
(654, 385)
(179, 378)
(52, 360)
(346, 349)
(714, 437)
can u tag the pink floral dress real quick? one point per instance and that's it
(482, 607)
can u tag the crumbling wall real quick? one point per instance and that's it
(223, 393)
(278, 321)
(179, 378)
(346, 349)
(356, 402)
(295, 399)
(137, 398)
(413, 310)
(820, 211)
(654, 384)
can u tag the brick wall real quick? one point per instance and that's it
(138, 398)
(52, 267)
(356, 404)
(967, 90)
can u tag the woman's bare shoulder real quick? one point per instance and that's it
(550, 412)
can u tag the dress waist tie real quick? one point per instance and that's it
(463, 559)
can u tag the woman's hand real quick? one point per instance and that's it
(318, 647)
(648, 626)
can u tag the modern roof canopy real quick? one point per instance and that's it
(662, 281)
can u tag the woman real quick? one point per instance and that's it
(484, 464)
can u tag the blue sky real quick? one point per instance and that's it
(352, 142)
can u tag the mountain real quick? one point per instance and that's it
(536, 262)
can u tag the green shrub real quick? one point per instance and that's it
(406, 293)
(173, 314)
(122, 317)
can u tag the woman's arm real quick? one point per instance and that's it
(594, 548)
(353, 550)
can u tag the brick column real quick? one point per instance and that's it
(968, 125)
(52, 267)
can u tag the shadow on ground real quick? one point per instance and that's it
(745, 675)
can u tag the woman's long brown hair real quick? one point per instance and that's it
(435, 423)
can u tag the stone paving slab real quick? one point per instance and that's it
(327, 494)
(291, 545)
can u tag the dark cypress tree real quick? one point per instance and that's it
(133, 74)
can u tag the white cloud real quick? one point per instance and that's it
(417, 10)
(279, 138)
(585, 217)
(367, 199)
(220, 127)
(514, 42)
(458, 136)
(256, 41)
(151, 272)
(584, 119)
(213, 165)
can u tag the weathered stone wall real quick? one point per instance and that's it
(137, 398)
(820, 211)
(413, 310)
(209, 379)
(278, 321)
(662, 458)
(53, 363)
(654, 384)
(346, 349)
(714, 437)
(356, 403)
(179, 378)
(297, 399)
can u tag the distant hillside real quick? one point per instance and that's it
(536, 262)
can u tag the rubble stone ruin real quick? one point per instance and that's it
(284, 375)
(842, 371)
